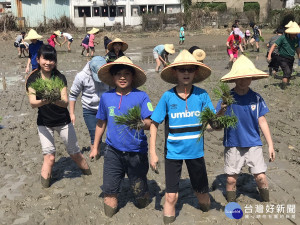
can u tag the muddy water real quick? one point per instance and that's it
(76, 199)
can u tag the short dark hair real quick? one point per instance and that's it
(48, 52)
(105, 38)
(234, 26)
(23, 32)
(116, 68)
(280, 30)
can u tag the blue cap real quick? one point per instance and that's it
(95, 65)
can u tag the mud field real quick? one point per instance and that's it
(77, 199)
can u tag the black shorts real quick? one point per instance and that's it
(286, 65)
(197, 173)
(70, 40)
(117, 164)
(92, 48)
(16, 44)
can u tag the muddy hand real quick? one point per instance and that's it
(155, 169)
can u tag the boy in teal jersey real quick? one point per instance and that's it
(181, 107)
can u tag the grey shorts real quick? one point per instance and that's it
(235, 158)
(66, 132)
(155, 55)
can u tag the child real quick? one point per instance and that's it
(35, 45)
(181, 34)
(116, 50)
(160, 54)
(247, 38)
(85, 45)
(126, 150)
(273, 64)
(53, 116)
(288, 45)
(198, 53)
(243, 144)
(92, 33)
(181, 107)
(106, 42)
(68, 38)
(255, 37)
(52, 41)
(233, 45)
(20, 44)
(92, 88)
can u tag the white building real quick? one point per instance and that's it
(101, 13)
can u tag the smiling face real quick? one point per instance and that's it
(123, 80)
(46, 64)
(185, 74)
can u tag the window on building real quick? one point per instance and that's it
(112, 11)
(159, 9)
(121, 11)
(96, 11)
(143, 9)
(104, 11)
(134, 11)
(83, 10)
(151, 9)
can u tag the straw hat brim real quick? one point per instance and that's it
(93, 31)
(292, 30)
(57, 32)
(168, 73)
(33, 37)
(254, 73)
(199, 54)
(168, 49)
(124, 45)
(106, 77)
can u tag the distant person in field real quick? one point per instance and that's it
(52, 41)
(116, 49)
(181, 34)
(256, 36)
(68, 38)
(160, 54)
(85, 45)
(234, 43)
(92, 42)
(21, 45)
(106, 42)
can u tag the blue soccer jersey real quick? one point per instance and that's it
(182, 119)
(120, 136)
(248, 108)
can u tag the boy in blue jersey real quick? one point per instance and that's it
(243, 144)
(126, 151)
(34, 47)
(180, 107)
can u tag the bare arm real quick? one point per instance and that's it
(64, 101)
(161, 59)
(100, 128)
(64, 40)
(72, 111)
(271, 51)
(56, 41)
(227, 44)
(298, 52)
(266, 131)
(28, 65)
(147, 123)
(241, 47)
(152, 143)
(33, 101)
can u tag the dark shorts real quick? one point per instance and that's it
(70, 40)
(117, 164)
(197, 173)
(274, 62)
(286, 65)
(92, 48)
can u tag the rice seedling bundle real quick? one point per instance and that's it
(48, 89)
(132, 119)
(223, 92)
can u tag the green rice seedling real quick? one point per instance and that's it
(0, 119)
(207, 116)
(261, 39)
(132, 119)
(48, 89)
(223, 92)
(246, 54)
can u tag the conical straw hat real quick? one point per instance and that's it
(199, 54)
(243, 68)
(289, 24)
(117, 40)
(32, 34)
(57, 32)
(185, 58)
(93, 31)
(169, 48)
(293, 29)
(139, 78)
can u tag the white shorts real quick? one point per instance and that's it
(155, 54)
(66, 132)
(235, 158)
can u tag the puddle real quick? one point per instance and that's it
(10, 80)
